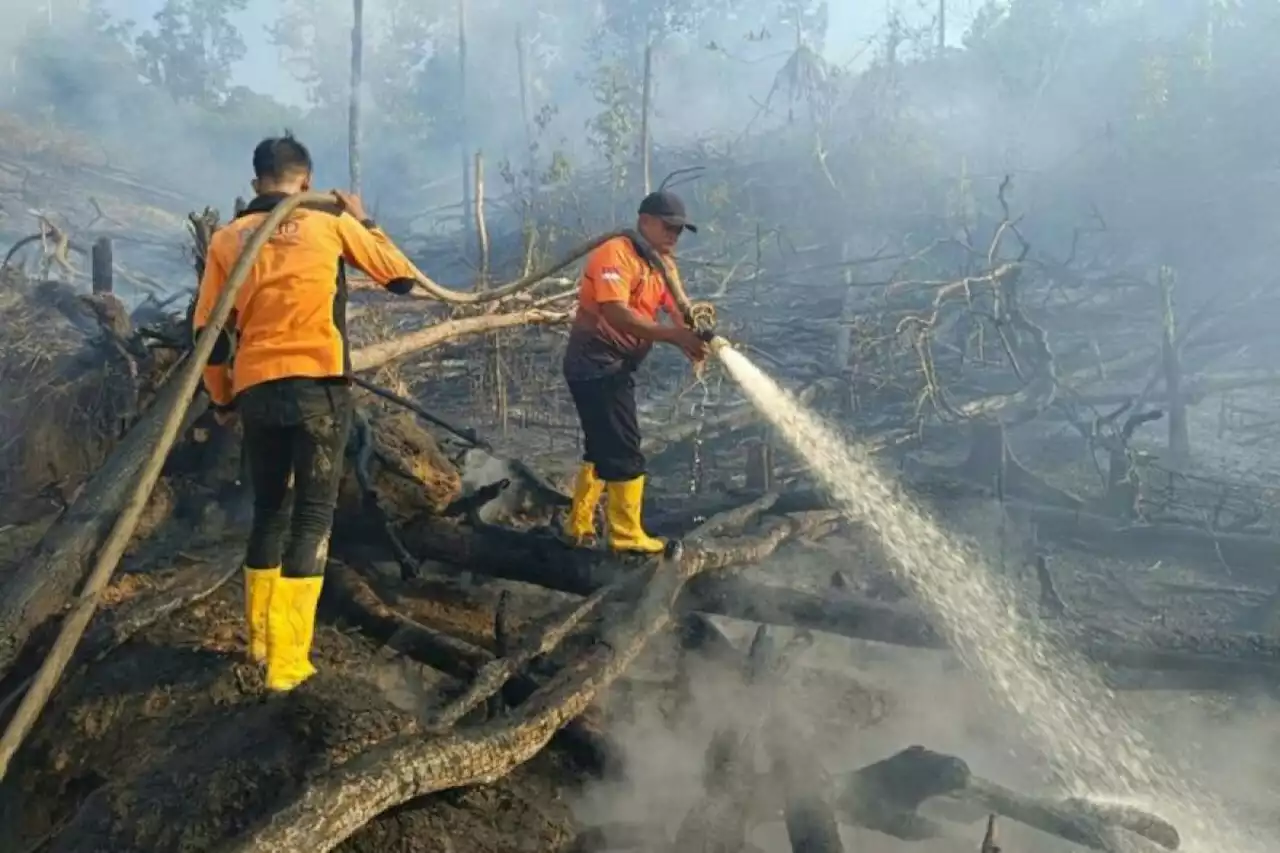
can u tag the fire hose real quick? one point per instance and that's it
(699, 316)
(172, 417)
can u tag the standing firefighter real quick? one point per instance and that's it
(624, 286)
(282, 366)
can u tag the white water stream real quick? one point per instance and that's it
(1075, 718)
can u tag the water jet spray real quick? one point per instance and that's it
(1067, 707)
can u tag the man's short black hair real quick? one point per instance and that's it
(280, 158)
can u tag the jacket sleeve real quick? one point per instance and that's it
(371, 250)
(217, 373)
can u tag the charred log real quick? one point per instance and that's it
(808, 812)
(887, 795)
(335, 805)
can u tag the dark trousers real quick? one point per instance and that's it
(610, 428)
(295, 427)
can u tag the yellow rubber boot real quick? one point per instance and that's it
(626, 533)
(291, 626)
(580, 526)
(258, 584)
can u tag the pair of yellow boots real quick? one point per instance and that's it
(281, 616)
(623, 502)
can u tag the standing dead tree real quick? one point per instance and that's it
(357, 84)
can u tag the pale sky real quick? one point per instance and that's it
(852, 23)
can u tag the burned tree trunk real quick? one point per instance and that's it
(646, 107)
(993, 464)
(357, 84)
(464, 132)
(1179, 440)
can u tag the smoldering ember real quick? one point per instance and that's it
(967, 505)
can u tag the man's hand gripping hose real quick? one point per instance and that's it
(699, 316)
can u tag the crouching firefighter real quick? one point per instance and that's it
(624, 286)
(281, 368)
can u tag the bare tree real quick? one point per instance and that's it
(357, 81)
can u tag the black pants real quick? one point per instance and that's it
(294, 427)
(610, 428)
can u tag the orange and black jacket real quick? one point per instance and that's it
(289, 318)
(625, 269)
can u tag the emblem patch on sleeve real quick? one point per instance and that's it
(611, 274)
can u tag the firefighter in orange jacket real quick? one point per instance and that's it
(283, 368)
(622, 290)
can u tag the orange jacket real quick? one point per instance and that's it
(615, 271)
(289, 318)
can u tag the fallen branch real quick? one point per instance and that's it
(397, 631)
(377, 355)
(1209, 660)
(455, 657)
(735, 519)
(543, 559)
(543, 638)
(331, 808)
(1076, 820)
(886, 796)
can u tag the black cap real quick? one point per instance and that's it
(668, 207)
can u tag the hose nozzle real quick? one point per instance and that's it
(701, 317)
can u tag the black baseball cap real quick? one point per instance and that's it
(668, 207)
